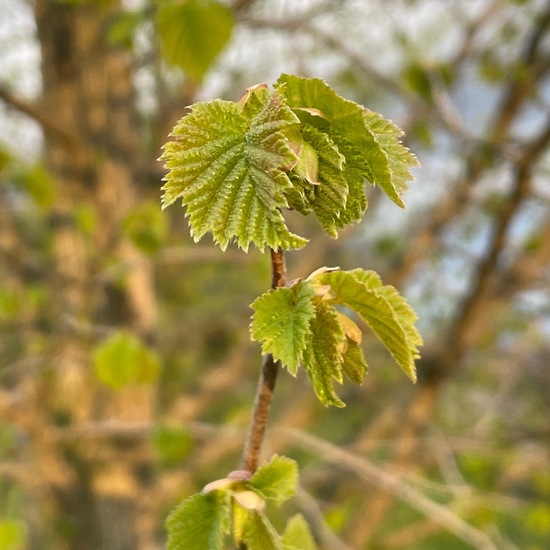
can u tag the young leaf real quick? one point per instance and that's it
(328, 197)
(193, 33)
(277, 479)
(369, 142)
(401, 308)
(199, 522)
(400, 159)
(297, 535)
(351, 289)
(259, 534)
(228, 170)
(353, 362)
(239, 519)
(356, 170)
(323, 354)
(249, 500)
(281, 322)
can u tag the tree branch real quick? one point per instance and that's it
(393, 484)
(48, 124)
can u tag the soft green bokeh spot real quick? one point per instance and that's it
(122, 360)
(193, 33)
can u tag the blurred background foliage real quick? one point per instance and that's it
(126, 371)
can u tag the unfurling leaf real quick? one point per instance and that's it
(382, 308)
(249, 500)
(301, 326)
(369, 143)
(277, 479)
(237, 166)
(227, 169)
(401, 308)
(259, 534)
(353, 362)
(323, 354)
(200, 521)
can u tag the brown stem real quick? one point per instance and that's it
(266, 382)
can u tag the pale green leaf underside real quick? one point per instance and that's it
(277, 479)
(199, 522)
(281, 322)
(389, 319)
(227, 172)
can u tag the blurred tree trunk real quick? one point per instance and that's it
(91, 146)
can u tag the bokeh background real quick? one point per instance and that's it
(126, 370)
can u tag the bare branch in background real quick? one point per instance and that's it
(392, 483)
(36, 113)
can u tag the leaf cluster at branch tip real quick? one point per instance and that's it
(237, 166)
(302, 325)
(234, 505)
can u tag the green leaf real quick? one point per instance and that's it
(281, 322)
(228, 170)
(200, 522)
(236, 166)
(122, 360)
(399, 158)
(307, 166)
(297, 535)
(401, 308)
(356, 169)
(259, 534)
(193, 33)
(277, 479)
(327, 195)
(353, 362)
(358, 290)
(369, 143)
(323, 354)
(239, 517)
